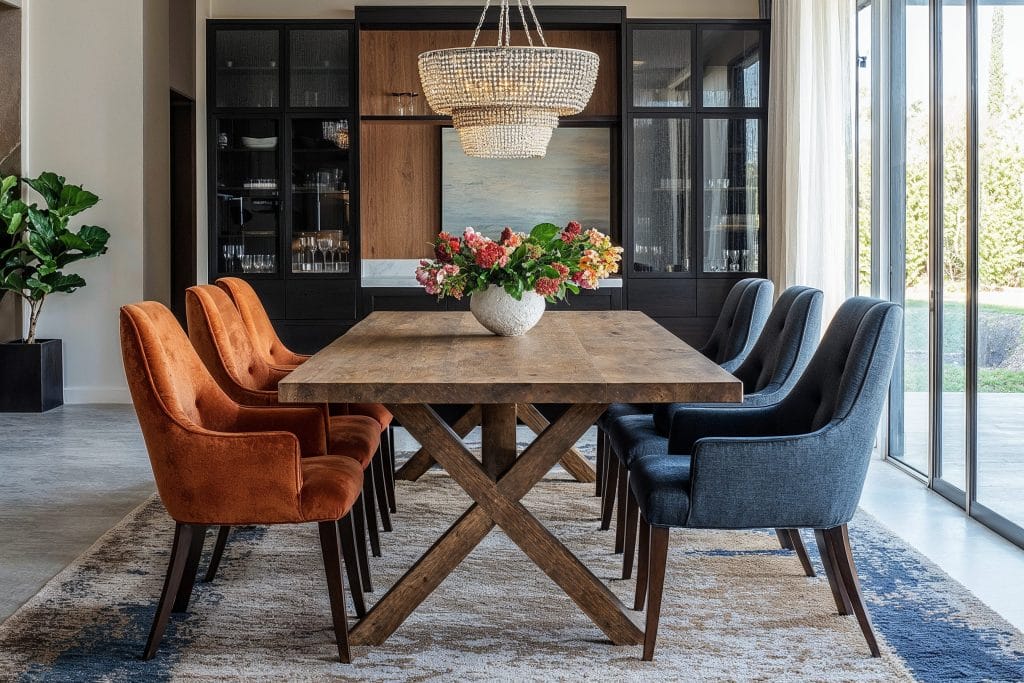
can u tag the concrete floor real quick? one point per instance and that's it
(69, 475)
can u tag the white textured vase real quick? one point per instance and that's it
(499, 312)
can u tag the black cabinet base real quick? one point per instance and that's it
(31, 376)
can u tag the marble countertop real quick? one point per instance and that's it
(397, 273)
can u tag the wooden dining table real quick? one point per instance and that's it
(411, 361)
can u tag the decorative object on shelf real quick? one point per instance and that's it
(506, 100)
(222, 141)
(509, 279)
(336, 132)
(31, 374)
(259, 143)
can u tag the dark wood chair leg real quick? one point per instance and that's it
(838, 538)
(370, 503)
(655, 588)
(389, 467)
(218, 552)
(835, 581)
(180, 548)
(783, 535)
(335, 586)
(188, 577)
(600, 462)
(381, 489)
(629, 545)
(611, 473)
(347, 533)
(620, 514)
(362, 555)
(801, 552)
(643, 565)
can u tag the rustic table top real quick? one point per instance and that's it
(569, 357)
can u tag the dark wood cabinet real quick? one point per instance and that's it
(283, 186)
(292, 105)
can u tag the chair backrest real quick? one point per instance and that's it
(848, 376)
(743, 315)
(170, 387)
(783, 348)
(261, 331)
(222, 341)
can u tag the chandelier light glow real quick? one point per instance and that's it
(505, 100)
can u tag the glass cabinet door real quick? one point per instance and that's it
(662, 73)
(319, 68)
(731, 67)
(732, 216)
(248, 203)
(662, 194)
(320, 206)
(246, 67)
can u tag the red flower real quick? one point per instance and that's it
(546, 286)
(572, 231)
(491, 253)
(446, 246)
(563, 271)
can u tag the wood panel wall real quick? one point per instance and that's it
(400, 160)
(388, 63)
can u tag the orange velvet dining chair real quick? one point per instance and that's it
(220, 338)
(217, 463)
(269, 346)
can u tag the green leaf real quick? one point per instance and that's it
(64, 283)
(49, 185)
(550, 272)
(73, 199)
(545, 232)
(572, 287)
(8, 183)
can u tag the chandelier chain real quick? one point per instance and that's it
(526, 26)
(480, 24)
(505, 24)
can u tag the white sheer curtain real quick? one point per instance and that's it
(811, 200)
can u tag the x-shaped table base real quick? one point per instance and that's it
(497, 485)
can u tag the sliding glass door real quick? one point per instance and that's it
(999, 349)
(951, 154)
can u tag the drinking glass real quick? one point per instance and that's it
(325, 245)
(734, 260)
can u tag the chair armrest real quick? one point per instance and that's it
(691, 423)
(225, 478)
(808, 480)
(308, 424)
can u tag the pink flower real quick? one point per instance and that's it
(546, 286)
(572, 231)
(510, 239)
(491, 253)
(474, 240)
(563, 271)
(446, 246)
(587, 279)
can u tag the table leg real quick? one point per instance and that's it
(497, 502)
(498, 444)
(421, 461)
(574, 462)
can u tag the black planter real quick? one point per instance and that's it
(31, 376)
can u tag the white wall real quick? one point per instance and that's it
(85, 119)
(319, 9)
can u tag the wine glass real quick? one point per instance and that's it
(325, 244)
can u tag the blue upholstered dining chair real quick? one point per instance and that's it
(768, 374)
(743, 314)
(796, 464)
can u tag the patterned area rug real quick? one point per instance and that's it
(736, 608)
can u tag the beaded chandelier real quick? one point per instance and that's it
(505, 100)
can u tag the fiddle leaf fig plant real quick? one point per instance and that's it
(42, 244)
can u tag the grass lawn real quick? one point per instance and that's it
(990, 379)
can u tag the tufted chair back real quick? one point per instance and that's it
(784, 346)
(848, 376)
(221, 339)
(261, 331)
(739, 324)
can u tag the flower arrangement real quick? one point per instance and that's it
(550, 261)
